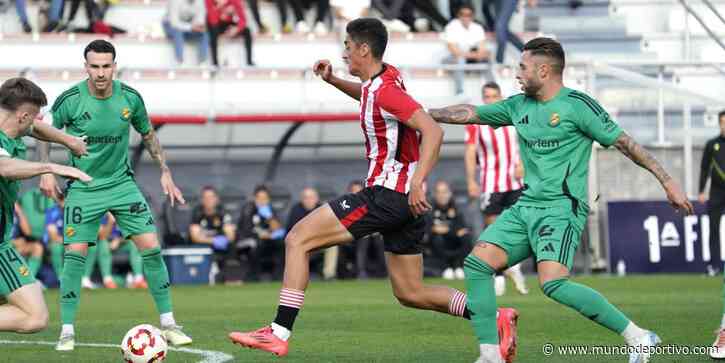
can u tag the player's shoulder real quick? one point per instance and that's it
(129, 92)
(582, 101)
(68, 96)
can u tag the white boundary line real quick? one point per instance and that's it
(209, 356)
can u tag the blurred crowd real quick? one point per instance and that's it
(206, 22)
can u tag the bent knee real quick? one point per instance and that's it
(35, 322)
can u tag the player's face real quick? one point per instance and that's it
(355, 188)
(100, 68)
(209, 199)
(528, 74)
(26, 114)
(442, 194)
(352, 57)
(491, 95)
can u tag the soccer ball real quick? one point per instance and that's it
(143, 344)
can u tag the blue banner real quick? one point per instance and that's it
(650, 236)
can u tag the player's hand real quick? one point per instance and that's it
(49, 186)
(170, 189)
(70, 172)
(416, 199)
(677, 197)
(474, 190)
(702, 198)
(323, 68)
(78, 146)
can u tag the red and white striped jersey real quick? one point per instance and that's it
(497, 153)
(391, 146)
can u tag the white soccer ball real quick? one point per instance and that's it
(144, 344)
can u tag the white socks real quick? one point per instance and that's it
(67, 329)
(722, 323)
(281, 332)
(632, 333)
(490, 353)
(167, 319)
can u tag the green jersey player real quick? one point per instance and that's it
(556, 127)
(103, 110)
(20, 103)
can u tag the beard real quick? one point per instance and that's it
(531, 88)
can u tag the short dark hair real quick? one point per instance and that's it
(720, 115)
(354, 183)
(492, 85)
(370, 31)
(261, 188)
(465, 5)
(549, 48)
(208, 188)
(99, 46)
(17, 91)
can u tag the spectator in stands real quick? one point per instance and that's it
(488, 8)
(322, 8)
(392, 12)
(211, 225)
(259, 222)
(450, 238)
(503, 34)
(21, 8)
(186, 19)
(466, 42)
(343, 11)
(54, 14)
(309, 200)
(427, 8)
(262, 28)
(95, 11)
(227, 19)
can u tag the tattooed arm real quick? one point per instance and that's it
(456, 114)
(631, 149)
(151, 141)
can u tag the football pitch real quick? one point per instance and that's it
(360, 321)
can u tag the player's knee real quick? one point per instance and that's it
(295, 241)
(35, 322)
(37, 250)
(81, 248)
(549, 287)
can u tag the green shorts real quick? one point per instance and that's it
(14, 272)
(83, 210)
(548, 233)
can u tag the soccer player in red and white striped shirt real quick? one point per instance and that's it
(496, 152)
(402, 144)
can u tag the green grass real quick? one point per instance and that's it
(360, 321)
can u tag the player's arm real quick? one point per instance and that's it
(228, 227)
(47, 133)
(705, 170)
(495, 114)
(323, 68)
(16, 169)
(197, 235)
(430, 146)
(635, 152)
(469, 161)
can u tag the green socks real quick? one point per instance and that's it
(135, 260)
(158, 278)
(90, 261)
(34, 265)
(70, 286)
(56, 258)
(481, 299)
(104, 259)
(587, 302)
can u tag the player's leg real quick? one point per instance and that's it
(91, 258)
(82, 217)
(136, 262)
(35, 257)
(104, 263)
(56, 257)
(559, 232)
(25, 311)
(319, 229)
(514, 273)
(501, 244)
(135, 220)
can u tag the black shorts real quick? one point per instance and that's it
(495, 203)
(378, 209)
